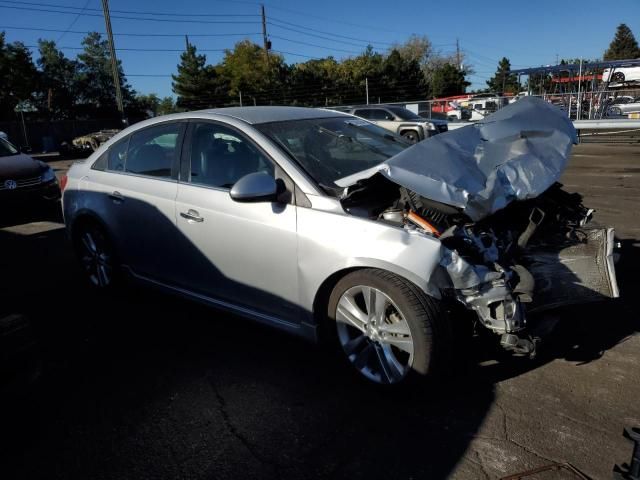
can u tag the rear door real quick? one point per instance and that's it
(137, 196)
(241, 253)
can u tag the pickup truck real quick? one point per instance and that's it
(401, 121)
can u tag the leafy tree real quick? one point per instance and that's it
(503, 81)
(154, 106)
(196, 83)
(624, 45)
(417, 48)
(448, 80)
(314, 82)
(246, 69)
(96, 90)
(18, 76)
(58, 81)
(357, 72)
(402, 78)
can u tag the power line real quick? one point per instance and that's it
(342, 42)
(135, 12)
(314, 45)
(121, 17)
(74, 21)
(330, 33)
(132, 34)
(146, 50)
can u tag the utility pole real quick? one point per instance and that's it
(366, 87)
(458, 61)
(265, 40)
(240, 93)
(114, 60)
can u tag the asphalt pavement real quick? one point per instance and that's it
(141, 385)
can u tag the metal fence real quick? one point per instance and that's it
(577, 105)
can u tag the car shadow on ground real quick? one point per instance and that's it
(142, 385)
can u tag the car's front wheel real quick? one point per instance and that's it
(411, 136)
(385, 326)
(96, 255)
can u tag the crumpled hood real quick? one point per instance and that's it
(514, 154)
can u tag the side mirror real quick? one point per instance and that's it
(255, 187)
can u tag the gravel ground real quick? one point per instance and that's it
(141, 385)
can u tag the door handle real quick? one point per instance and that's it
(192, 215)
(117, 197)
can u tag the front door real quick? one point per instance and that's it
(241, 253)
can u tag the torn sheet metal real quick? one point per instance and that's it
(514, 154)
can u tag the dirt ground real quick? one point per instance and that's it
(141, 385)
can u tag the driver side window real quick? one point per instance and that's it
(220, 156)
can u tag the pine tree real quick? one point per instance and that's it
(624, 45)
(195, 83)
(448, 80)
(503, 81)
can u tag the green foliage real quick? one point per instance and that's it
(153, 106)
(502, 81)
(18, 77)
(624, 45)
(196, 83)
(58, 83)
(95, 87)
(448, 80)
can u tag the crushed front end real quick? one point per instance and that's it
(513, 241)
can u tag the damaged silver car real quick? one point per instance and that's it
(325, 225)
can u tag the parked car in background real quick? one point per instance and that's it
(327, 226)
(623, 106)
(401, 121)
(91, 141)
(24, 179)
(621, 74)
(484, 104)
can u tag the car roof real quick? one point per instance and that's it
(266, 114)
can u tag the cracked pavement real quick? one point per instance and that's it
(141, 385)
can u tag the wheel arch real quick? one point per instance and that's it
(83, 217)
(321, 299)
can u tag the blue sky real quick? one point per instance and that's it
(528, 33)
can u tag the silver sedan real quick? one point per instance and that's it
(320, 224)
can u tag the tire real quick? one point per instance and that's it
(396, 342)
(95, 252)
(411, 136)
(618, 77)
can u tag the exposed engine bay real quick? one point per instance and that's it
(513, 241)
(532, 255)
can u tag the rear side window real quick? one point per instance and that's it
(117, 155)
(153, 151)
(363, 113)
(380, 115)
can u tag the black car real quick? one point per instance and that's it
(23, 178)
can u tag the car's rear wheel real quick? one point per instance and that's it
(385, 326)
(411, 136)
(618, 77)
(96, 255)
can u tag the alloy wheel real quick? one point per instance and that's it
(374, 334)
(96, 258)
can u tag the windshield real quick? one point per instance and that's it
(331, 148)
(404, 113)
(6, 148)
